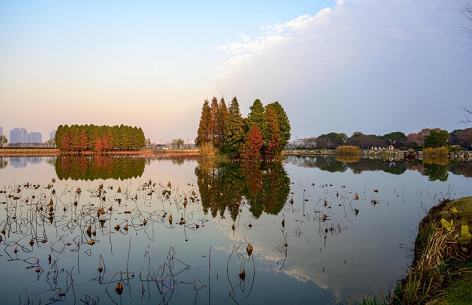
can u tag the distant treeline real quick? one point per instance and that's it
(80, 138)
(425, 138)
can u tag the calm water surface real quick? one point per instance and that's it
(322, 230)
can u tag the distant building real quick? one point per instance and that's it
(1, 131)
(21, 136)
(18, 135)
(52, 135)
(35, 137)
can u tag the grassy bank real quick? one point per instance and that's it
(441, 272)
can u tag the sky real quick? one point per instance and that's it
(335, 66)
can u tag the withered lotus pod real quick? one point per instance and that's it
(119, 288)
(249, 249)
(242, 274)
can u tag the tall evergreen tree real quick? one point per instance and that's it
(220, 124)
(203, 134)
(284, 124)
(212, 123)
(234, 129)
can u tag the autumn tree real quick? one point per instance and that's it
(227, 131)
(284, 124)
(253, 141)
(466, 137)
(273, 146)
(98, 138)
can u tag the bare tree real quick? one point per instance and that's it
(466, 118)
(467, 12)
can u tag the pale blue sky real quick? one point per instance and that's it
(343, 66)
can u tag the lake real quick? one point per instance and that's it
(321, 230)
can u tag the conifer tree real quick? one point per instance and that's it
(272, 147)
(220, 122)
(284, 124)
(257, 118)
(203, 134)
(234, 130)
(212, 122)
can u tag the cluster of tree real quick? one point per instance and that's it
(99, 138)
(265, 186)
(99, 167)
(425, 138)
(263, 134)
(178, 143)
(3, 140)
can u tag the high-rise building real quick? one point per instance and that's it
(34, 137)
(1, 131)
(18, 135)
(52, 135)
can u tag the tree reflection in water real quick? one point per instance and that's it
(265, 186)
(434, 168)
(99, 167)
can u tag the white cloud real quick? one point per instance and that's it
(339, 64)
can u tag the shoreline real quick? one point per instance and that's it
(440, 272)
(48, 152)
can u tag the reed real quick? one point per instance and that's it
(348, 150)
(436, 152)
(207, 150)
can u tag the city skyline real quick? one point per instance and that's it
(21, 135)
(335, 66)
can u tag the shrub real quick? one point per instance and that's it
(348, 150)
(436, 152)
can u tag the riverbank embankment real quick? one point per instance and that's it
(46, 152)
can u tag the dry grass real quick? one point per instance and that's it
(437, 252)
(348, 150)
(436, 152)
(207, 150)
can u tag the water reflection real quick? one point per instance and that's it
(434, 168)
(21, 162)
(99, 167)
(317, 237)
(3, 162)
(265, 187)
